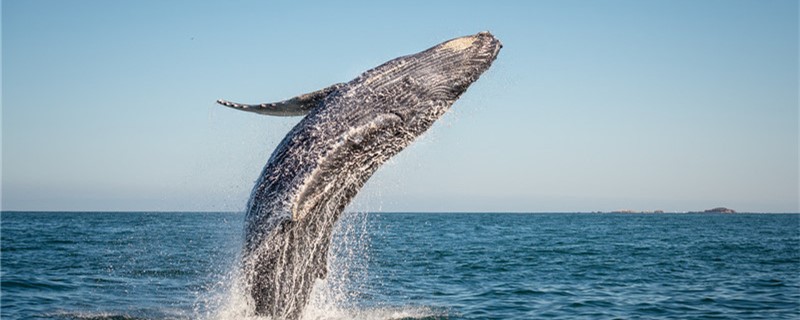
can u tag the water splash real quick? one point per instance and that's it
(348, 265)
(340, 296)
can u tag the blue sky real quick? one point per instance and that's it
(591, 105)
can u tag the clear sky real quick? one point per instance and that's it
(591, 105)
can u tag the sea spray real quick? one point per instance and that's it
(336, 297)
(348, 262)
(347, 292)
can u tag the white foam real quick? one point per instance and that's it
(387, 313)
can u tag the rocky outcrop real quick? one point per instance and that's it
(720, 210)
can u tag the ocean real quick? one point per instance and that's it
(139, 265)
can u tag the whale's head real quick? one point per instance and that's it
(417, 89)
(442, 72)
(453, 65)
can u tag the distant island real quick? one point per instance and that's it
(717, 210)
(714, 210)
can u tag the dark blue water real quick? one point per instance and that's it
(416, 266)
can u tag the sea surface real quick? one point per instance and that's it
(130, 265)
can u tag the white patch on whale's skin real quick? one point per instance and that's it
(349, 131)
(458, 44)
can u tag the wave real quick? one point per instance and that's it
(385, 313)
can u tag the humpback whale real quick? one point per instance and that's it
(348, 131)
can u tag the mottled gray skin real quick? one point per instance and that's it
(350, 130)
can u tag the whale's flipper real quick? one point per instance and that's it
(297, 106)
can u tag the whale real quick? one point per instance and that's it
(347, 131)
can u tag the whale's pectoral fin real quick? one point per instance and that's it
(297, 106)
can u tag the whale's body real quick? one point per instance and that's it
(350, 130)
